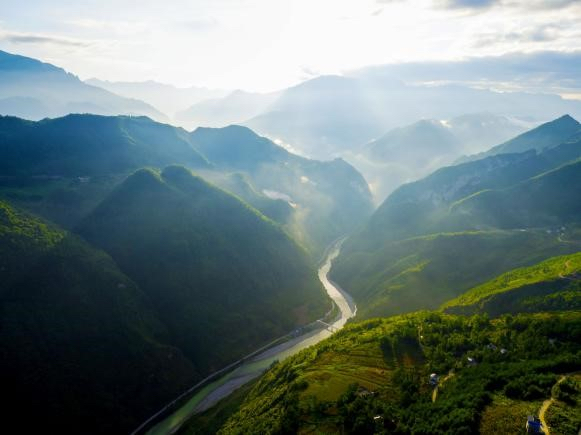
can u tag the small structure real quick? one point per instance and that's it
(534, 425)
(434, 379)
(471, 361)
(503, 351)
(491, 346)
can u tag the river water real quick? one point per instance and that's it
(209, 395)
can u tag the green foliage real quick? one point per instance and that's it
(550, 285)
(402, 401)
(211, 265)
(80, 342)
(460, 227)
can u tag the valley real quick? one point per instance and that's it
(290, 218)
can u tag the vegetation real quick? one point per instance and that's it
(211, 265)
(373, 376)
(435, 239)
(424, 272)
(553, 284)
(73, 329)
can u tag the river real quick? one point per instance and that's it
(209, 395)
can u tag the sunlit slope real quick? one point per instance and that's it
(465, 223)
(424, 272)
(553, 284)
(224, 278)
(81, 348)
(373, 376)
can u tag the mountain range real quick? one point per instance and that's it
(34, 90)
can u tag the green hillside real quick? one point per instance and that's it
(223, 277)
(424, 272)
(373, 377)
(87, 145)
(81, 348)
(462, 226)
(554, 284)
(546, 200)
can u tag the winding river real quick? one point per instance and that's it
(209, 395)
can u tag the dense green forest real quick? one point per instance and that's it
(211, 265)
(82, 348)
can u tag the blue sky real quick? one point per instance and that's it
(268, 44)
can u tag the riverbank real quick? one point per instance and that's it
(221, 384)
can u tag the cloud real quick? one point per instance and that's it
(553, 71)
(31, 38)
(200, 24)
(539, 34)
(465, 4)
(377, 12)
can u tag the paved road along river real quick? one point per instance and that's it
(209, 395)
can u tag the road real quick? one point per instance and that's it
(210, 394)
(544, 409)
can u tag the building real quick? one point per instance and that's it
(434, 379)
(534, 425)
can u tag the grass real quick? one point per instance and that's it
(551, 269)
(566, 416)
(507, 416)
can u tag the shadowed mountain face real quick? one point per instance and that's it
(81, 343)
(462, 218)
(81, 157)
(221, 276)
(34, 90)
(80, 145)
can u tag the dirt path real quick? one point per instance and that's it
(435, 392)
(545, 407)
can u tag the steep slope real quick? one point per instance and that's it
(329, 199)
(554, 284)
(431, 238)
(546, 200)
(544, 136)
(34, 90)
(87, 145)
(223, 278)
(81, 347)
(374, 377)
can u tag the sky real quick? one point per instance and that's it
(264, 45)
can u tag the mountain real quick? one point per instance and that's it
(422, 373)
(405, 154)
(329, 199)
(233, 108)
(221, 276)
(463, 225)
(550, 285)
(544, 136)
(168, 98)
(88, 145)
(81, 343)
(34, 90)
(62, 168)
(329, 115)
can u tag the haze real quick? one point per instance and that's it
(265, 45)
